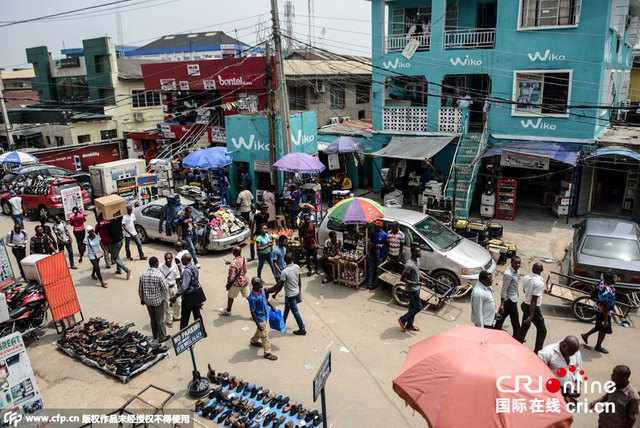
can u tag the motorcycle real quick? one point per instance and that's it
(28, 310)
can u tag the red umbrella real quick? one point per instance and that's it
(455, 379)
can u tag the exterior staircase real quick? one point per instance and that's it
(466, 165)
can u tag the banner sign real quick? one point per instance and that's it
(71, 198)
(334, 161)
(320, 380)
(188, 337)
(126, 187)
(524, 160)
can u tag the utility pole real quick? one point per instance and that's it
(282, 84)
(5, 117)
(271, 110)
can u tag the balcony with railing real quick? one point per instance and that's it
(470, 38)
(404, 118)
(397, 42)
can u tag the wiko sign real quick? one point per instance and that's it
(548, 56)
(537, 124)
(395, 64)
(254, 143)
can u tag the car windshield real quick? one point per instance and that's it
(58, 187)
(437, 234)
(612, 248)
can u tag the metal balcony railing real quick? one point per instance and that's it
(404, 119)
(470, 38)
(397, 42)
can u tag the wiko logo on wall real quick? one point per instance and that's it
(548, 56)
(464, 61)
(538, 124)
(396, 64)
(302, 139)
(252, 144)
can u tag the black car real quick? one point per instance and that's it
(44, 170)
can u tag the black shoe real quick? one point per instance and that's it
(269, 418)
(282, 402)
(300, 332)
(223, 416)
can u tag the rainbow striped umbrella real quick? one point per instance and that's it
(356, 211)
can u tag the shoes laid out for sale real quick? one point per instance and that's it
(240, 404)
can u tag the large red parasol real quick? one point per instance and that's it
(452, 380)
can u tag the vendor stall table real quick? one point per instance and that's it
(352, 272)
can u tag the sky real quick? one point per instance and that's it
(346, 23)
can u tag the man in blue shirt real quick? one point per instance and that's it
(277, 255)
(258, 305)
(377, 253)
(186, 229)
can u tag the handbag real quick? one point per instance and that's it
(98, 254)
(194, 298)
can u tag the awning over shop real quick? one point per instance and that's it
(564, 153)
(615, 152)
(417, 148)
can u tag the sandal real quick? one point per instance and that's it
(270, 357)
(256, 344)
(601, 349)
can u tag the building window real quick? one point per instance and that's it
(84, 138)
(59, 141)
(108, 134)
(618, 16)
(542, 92)
(72, 88)
(297, 97)
(102, 64)
(363, 93)
(337, 96)
(406, 91)
(142, 98)
(549, 13)
(48, 140)
(402, 19)
(451, 17)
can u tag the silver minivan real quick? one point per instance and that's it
(447, 256)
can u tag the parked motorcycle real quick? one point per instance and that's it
(28, 310)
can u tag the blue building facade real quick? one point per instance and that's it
(498, 71)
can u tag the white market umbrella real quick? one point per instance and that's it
(17, 158)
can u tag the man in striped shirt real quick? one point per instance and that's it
(151, 289)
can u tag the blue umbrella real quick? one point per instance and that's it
(214, 157)
(344, 145)
(17, 158)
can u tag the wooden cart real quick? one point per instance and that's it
(436, 292)
(577, 291)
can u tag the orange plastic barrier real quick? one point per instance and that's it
(58, 286)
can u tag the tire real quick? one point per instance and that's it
(400, 295)
(445, 281)
(6, 208)
(582, 308)
(43, 212)
(584, 286)
(144, 238)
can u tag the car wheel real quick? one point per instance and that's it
(584, 286)
(144, 238)
(400, 295)
(6, 208)
(445, 281)
(43, 212)
(582, 308)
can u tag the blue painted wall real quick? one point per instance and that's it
(588, 50)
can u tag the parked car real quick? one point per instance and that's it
(45, 171)
(447, 256)
(603, 244)
(47, 203)
(148, 222)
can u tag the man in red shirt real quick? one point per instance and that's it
(309, 237)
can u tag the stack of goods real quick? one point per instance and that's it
(500, 250)
(245, 405)
(109, 347)
(352, 255)
(275, 235)
(31, 186)
(192, 192)
(224, 222)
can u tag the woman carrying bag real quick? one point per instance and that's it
(191, 292)
(605, 297)
(93, 245)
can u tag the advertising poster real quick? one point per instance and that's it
(147, 188)
(7, 276)
(126, 187)
(334, 161)
(71, 197)
(19, 391)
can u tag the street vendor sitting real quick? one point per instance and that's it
(332, 248)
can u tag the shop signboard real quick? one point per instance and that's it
(524, 160)
(19, 392)
(334, 161)
(71, 198)
(193, 69)
(261, 166)
(7, 276)
(187, 337)
(126, 188)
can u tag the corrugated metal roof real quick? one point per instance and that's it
(301, 67)
(129, 69)
(170, 43)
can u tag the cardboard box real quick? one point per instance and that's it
(548, 198)
(111, 206)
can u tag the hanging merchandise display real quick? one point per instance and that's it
(113, 349)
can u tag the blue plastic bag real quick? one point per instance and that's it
(276, 321)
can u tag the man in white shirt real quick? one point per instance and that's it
(172, 273)
(290, 279)
(245, 199)
(509, 296)
(17, 239)
(15, 202)
(483, 304)
(561, 355)
(129, 227)
(533, 286)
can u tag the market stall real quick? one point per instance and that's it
(213, 160)
(339, 153)
(350, 264)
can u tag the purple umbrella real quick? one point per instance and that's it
(344, 145)
(299, 162)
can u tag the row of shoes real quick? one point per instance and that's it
(115, 348)
(240, 404)
(32, 186)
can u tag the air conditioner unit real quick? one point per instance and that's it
(139, 116)
(333, 120)
(345, 118)
(319, 88)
